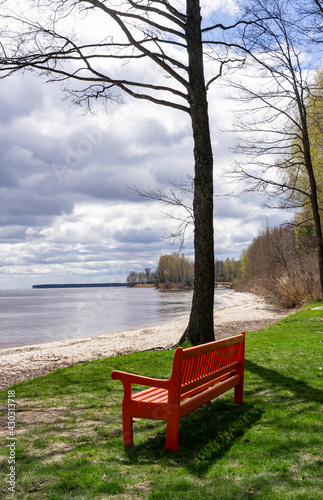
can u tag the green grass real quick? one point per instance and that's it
(69, 437)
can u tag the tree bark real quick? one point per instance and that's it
(318, 234)
(200, 328)
(314, 203)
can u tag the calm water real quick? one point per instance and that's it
(36, 316)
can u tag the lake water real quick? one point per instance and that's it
(37, 316)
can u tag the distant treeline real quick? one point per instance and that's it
(176, 269)
(78, 285)
(226, 271)
(146, 277)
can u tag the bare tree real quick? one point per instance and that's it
(179, 202)
(276, 116)
(58, 39)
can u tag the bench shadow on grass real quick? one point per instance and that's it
(205, 436)
(299, 388)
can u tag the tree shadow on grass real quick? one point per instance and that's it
(205, 436)
(275, 378)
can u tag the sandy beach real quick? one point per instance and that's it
(243, 312)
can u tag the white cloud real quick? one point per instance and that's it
(227, 6)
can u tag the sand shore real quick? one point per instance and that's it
(243, 312)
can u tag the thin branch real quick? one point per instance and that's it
(115, 14)
(232, 26)
(319, 4)
(175, 16)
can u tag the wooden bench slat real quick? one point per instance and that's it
(204, 397)
(207, 365)
(213, 382)
(152, 399)
(147, 392)
(210, 378)
(157, 398)
(217, 344)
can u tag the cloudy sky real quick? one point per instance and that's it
(65, 213)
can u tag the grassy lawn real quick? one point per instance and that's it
(69, 438)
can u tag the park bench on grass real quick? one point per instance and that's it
(199, 374)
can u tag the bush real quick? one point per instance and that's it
(276, 268)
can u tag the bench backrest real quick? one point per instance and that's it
(203, 365)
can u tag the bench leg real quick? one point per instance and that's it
(238, 393)
(127, 430)
(172, 433)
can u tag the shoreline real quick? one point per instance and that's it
(243, 312)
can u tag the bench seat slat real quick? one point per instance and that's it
(147, 391)
(149, 395)
(144, 405)
(153, 400)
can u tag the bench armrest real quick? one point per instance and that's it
(130, 378)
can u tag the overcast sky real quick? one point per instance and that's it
(65, 214)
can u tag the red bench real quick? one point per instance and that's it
(199, 375)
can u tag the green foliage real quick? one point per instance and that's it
(297, 174)
(245, 265)
(175, 268)
(172, 268)
(226, 270)
(145, 277)
(69, 436)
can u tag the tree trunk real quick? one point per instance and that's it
(318, 234)
(313, 185)
(200, 328)
(314, 206)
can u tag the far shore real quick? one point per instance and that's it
(243, 312)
